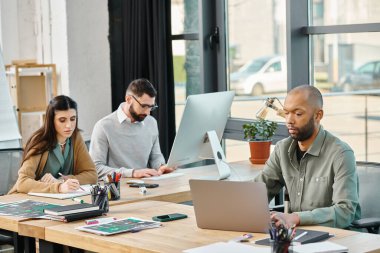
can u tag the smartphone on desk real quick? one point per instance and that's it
(146, 185)
(169, 217)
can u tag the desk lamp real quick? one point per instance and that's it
(269, 103)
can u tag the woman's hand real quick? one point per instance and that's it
(48, 178)
(69, 185)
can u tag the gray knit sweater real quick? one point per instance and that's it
(119, 145)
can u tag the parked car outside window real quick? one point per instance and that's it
(366, 77)
(259, 76)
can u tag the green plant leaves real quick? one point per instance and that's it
(259, 130)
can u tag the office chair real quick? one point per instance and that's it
(369, 178)
(10, 160)
(87, 144)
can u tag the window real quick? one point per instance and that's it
(344, 63)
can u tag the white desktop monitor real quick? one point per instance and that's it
(201, 129)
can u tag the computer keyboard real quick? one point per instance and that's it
(164, 176)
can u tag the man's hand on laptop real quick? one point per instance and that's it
(145, 173)
(164, 169)
(285, 218)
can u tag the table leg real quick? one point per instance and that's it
(49, 247)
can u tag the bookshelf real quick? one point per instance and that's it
(31, 86)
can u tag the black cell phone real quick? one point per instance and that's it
(146, 185)
(169, 217)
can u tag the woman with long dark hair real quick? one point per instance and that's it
(55, 158)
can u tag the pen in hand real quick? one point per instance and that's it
(66, 177)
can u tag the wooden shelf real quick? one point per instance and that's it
(32, 86)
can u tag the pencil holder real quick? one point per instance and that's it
(113, 190)
(100, 199)
(278, 246)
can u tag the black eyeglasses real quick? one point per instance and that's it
(145, 106)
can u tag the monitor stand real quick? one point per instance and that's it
(219, 157)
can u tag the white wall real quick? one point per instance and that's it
(89, 60)
(71, 34)
(9, 30)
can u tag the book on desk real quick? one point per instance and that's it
(69, 209)
(72, 212)
(309, 237)
(74, 216)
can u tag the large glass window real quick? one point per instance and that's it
(355, 119)
(257, 61)
(257, 53)
(347, 62)
(346, 68)
(340, 12)
(186, 52)
(184, 16)
(186, 72)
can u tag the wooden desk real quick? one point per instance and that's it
(177, 189)
(24, 236)
(176, 236)
(171, 190)
(16, 224)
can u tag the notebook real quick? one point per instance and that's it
(76, 208)
(231, 206)
(74, 216)
(309, 237)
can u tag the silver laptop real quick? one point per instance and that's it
(230, 205)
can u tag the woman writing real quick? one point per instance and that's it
(56, 159)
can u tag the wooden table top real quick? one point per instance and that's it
(171, 190)
(11, 223)
(177, 189)
(176, 236)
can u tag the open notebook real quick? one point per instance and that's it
(78, 193)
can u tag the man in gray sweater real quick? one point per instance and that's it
(126, 141)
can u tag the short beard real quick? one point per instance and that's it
(305, 132)
(135, 116)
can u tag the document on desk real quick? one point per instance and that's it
(70, 195)
(25, 208)
(228, 247)
(130, 224)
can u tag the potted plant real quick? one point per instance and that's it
(259, 134)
